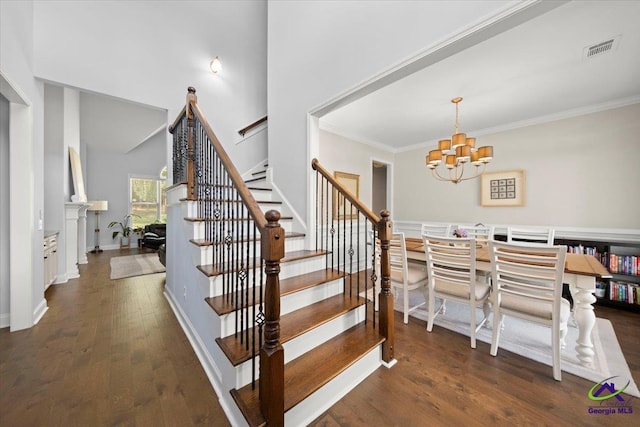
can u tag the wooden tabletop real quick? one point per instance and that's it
(583, 264)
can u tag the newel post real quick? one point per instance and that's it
(385, 230)
(191, 98)
(272, 353)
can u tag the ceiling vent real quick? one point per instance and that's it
(601, 48)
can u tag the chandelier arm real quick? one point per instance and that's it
(476, 174)
(437, 176)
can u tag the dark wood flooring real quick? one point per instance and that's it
(112, 353)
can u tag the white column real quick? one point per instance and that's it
(71, 214)
(82, 233)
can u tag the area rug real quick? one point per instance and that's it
(135, 265)
(534, 341)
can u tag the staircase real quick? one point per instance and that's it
(285, 358)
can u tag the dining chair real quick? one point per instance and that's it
(482, 233)
(539, 235)
(451, 267)
(435, 229)
(527, 284)
(405, 276)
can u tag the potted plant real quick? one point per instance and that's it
(123, 230)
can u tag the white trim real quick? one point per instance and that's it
(61, 278)
(40, 310)
(390, 364)
(298, 222)
(605, 235)
(161, 128)
(208, 364)
(253, 132)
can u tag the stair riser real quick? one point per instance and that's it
(287, 269)
(190, 208)
(288, 303)
(202, 255)
(262, 194)
(197, 228)
(305, 342)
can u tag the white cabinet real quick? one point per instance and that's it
(50, 259)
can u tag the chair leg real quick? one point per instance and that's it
(431, 313)
(495, 336)
(555, 345)
(472, 324)
(405, 303)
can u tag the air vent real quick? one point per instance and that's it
(601, 48)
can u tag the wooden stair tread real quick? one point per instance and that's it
(306, 374)
(204, 242)
(214, 270)
(292, 324)
(223, 305)
(262, 178)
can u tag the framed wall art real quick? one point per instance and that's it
(352, 183)
(502, 188)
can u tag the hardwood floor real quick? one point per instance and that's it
(112, 353)
(107, 353)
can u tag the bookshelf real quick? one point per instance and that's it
(623, 261)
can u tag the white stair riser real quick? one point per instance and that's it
(176, 194)
(198, 228)
(262, 194)
(190, 208)
(288, 303)
(202, 255)
(287, 269)
(305, 342)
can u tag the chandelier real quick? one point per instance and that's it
(457, 152)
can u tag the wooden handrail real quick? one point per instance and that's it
(177, 120)
(251, 204)
(315, 164)
(252, 125)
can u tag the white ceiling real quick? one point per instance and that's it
(532, 73)
(117, 125)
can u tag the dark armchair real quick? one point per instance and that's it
(154, 236)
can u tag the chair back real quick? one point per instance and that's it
(451, 262)
(536, 235)
(434, 229)
(528, 274)
(398, 257)
(482, 233)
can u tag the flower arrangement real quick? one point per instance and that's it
(460, 232)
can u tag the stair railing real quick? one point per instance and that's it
(244, 242)
(349, 232)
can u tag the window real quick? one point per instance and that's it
(148, 199)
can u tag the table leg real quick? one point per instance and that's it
(585, 317)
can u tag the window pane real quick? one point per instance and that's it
(144, 201)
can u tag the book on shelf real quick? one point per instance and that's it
(625, 292)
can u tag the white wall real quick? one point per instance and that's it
(580, 172)
(26, 146)
(338, 153)
(107, 178)
(4, 212)
(321, 49)
(150, 52)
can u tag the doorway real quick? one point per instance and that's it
(380, 189)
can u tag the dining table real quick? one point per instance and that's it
(581, 272)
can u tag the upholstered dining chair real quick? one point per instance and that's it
(451, 267)
(527, 284)
(539, 235)
(435, 229)
(405, 275)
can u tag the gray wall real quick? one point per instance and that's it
(378, 192)
(4, 212)
(580, 172)
(107, 178)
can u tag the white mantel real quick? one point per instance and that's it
(73, 212)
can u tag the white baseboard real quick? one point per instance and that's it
(61, 279)
(40, 310)
(208, 364)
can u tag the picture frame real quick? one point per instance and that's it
(503, 188)
(352, 183)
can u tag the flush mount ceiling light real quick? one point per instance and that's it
(215, 65)
(454, 153)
